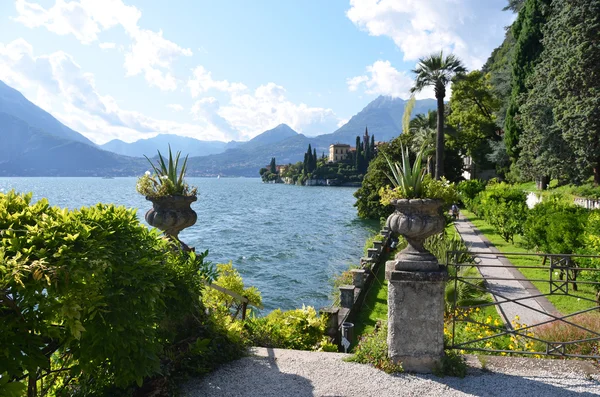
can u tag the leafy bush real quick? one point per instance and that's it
(468, 190)
(226, 305)
(505, 208)
(373, 349)
(555, 227)
(591, 246)
(299, 329)
(91, 297)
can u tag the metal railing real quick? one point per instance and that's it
(474, 327)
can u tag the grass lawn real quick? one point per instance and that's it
(564, 304)
(375, 304)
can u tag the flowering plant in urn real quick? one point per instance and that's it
(417, 199)
(170, 195)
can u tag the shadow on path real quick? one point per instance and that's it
(250, 376)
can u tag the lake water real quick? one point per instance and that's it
(288, 241)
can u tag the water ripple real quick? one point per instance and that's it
(288, 241)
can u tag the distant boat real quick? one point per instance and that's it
(218, 176)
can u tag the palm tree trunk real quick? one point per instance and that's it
(439, 144)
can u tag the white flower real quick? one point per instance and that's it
(164, 177)
(147, 173)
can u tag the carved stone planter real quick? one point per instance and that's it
(415, 220)
(171, 214)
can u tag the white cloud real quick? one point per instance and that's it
(84, 19)
(468, 28)
(355, 82)
(202, 81)
(383, 79)
(268, 107)
(56, 82)
(152, 55)
(175, 107)
(107, 45)
(149, 54)
(207, 110)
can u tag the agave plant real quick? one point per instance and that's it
(167, 179)
(407, 179)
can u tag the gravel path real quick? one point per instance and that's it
(498, 278)
(277, 372)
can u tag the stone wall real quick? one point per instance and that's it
(352, 296)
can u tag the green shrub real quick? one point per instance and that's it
(505, 208)
(591, 246)
(299, 329)
(94, 294)
(555, 227)
(468, 190)
(373, 349)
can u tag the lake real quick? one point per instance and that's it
(286, 240)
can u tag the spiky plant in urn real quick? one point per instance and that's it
(418, 200)
(170, 195)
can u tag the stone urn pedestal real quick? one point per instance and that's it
(172, 214)
(416, 284)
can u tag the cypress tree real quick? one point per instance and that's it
(372, 148)
(305, 163)
(527, 31)
(314, 159)
(358, 155)
(272, 166)
(367, 157)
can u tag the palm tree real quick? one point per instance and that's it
(422, 131)
(437, 70)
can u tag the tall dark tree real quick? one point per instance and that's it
(562, 112)
(527, 31)
(514, 5)
(314, 159)
(358, 157)
(372, 146)
(438, 70)
(272, 166)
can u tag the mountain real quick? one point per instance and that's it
(243, 162)
(148, 147)
(30, 151)
(383, 117)
(275, 135)
(14, 103)
(36, 144)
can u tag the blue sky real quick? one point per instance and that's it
(222, 70)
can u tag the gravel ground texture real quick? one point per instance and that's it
(278, 372)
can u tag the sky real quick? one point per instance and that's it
(229, 69)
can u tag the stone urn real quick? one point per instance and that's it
(171, 214)
(415, 220)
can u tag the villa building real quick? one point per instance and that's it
(338, 151)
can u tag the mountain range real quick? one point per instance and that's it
(34, 143)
